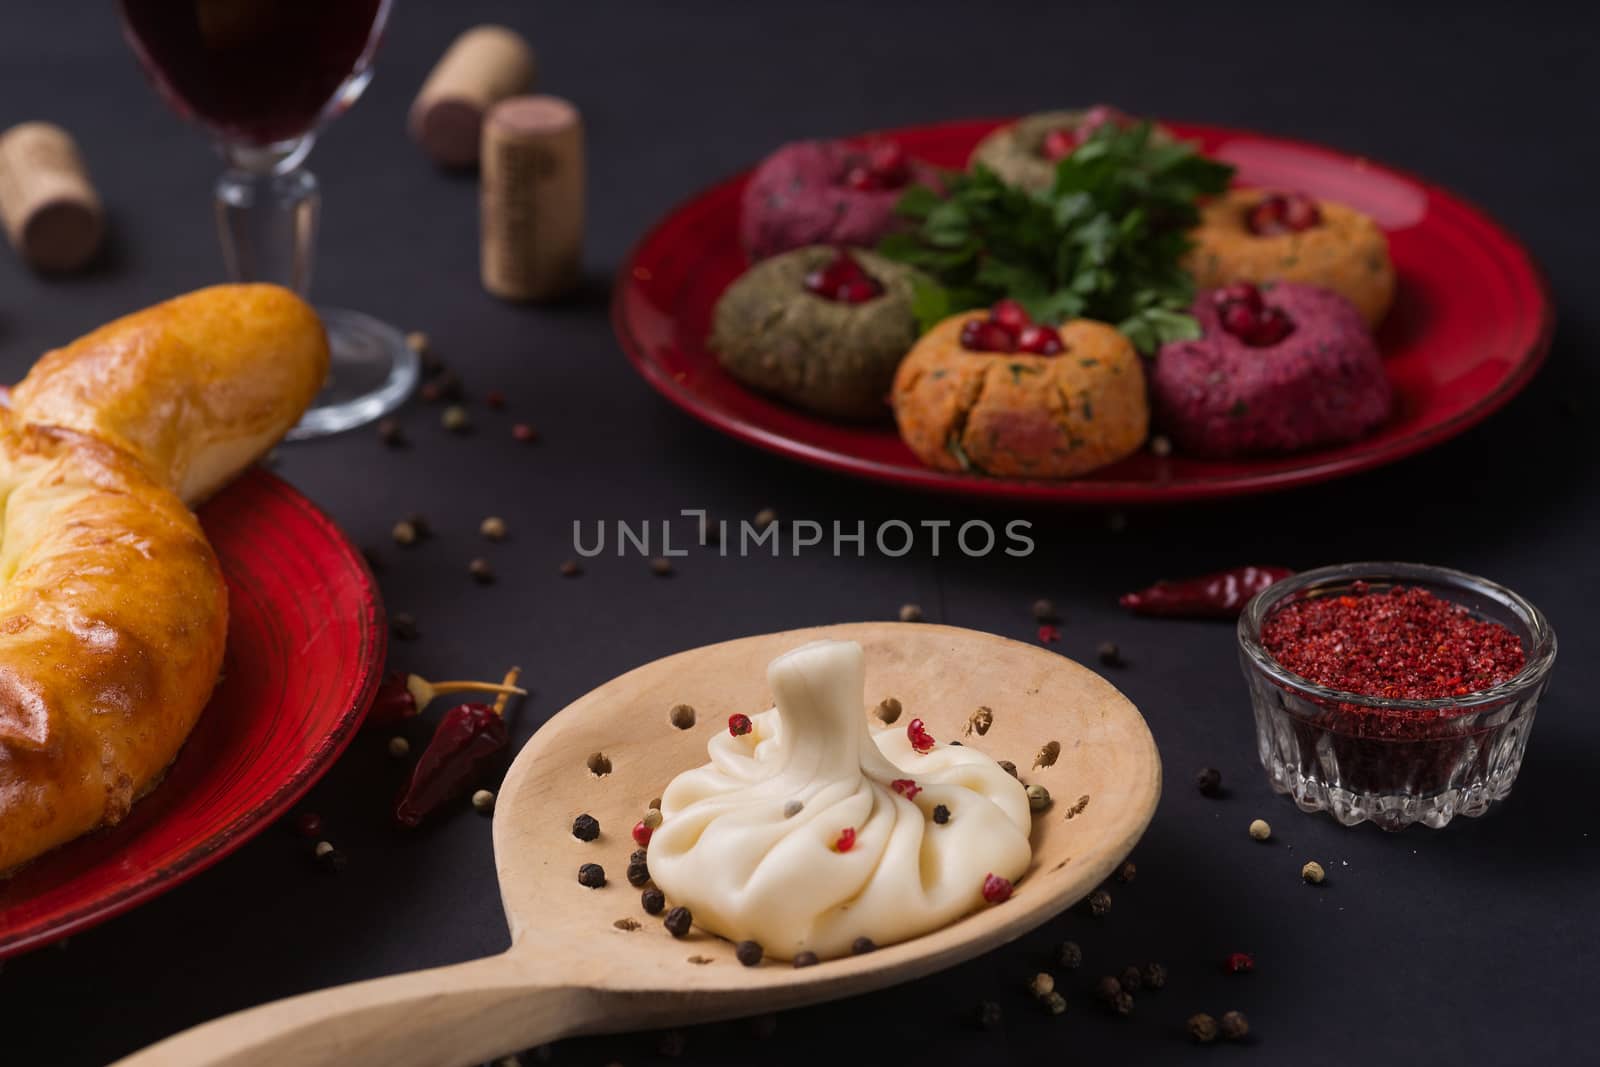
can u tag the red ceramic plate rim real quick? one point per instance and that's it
(368, 672)
(1349, 461)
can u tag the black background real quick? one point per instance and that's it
(1475, 943)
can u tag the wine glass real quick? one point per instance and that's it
(263, 76)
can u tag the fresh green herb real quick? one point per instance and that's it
(1105, 241)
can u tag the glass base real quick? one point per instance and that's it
(372, 371)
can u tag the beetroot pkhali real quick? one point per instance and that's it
(826, 193)
(1277, 369)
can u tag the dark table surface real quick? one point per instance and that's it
(1476, 943)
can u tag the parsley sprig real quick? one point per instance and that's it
(1105, 241)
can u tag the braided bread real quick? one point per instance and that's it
(113, 611)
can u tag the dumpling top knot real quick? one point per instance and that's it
(810, 831)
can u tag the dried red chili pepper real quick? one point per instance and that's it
(464, 744)
(1211, 596)
(402, 695)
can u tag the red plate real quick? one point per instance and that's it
(1470, 325)
(306, 644)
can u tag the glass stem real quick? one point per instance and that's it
(267, 207)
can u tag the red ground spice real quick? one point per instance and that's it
(1398, 643)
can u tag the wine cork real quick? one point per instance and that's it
(51, 212)
(531, 198)
(484, 65)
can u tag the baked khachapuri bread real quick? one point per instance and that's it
(113, 612)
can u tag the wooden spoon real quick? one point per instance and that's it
(578, 964)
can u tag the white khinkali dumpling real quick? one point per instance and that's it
(733, 848)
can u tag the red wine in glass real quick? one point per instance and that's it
(263, 76)
(257, 71)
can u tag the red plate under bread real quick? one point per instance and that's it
(1471, 323)
(306, 644)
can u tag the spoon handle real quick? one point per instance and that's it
(462, 1014)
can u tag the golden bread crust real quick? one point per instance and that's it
(113, 609)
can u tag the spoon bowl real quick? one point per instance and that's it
(588, 960)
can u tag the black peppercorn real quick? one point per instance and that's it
(1127, 872)
(1044, 611)
(941, 814)
(1123, 1004)
(638, 855)
(481, 570)
(653, 901)
(678, 921)
(748, 953)
(1099, 902)
(570, 568)
(1107, 989)
(661, 567)
(638, 874)
(1209, 782)
(1130, 979)
(1234, 1025)
(390, 433)
(1069, 955)
(805, 959)
(1109, 654)
(592, 875)
(861, 946)
(1154, 975)
(585, 827)
(403, 625)
(1203, 1028)
(989, 1015)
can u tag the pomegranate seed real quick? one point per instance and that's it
(739, 724)
(641, 834)
(1239, 292)
(1271, 327)
(524, 433)
(906, 787)
(1239, 319)
(1300, 212)
(887, 160)
(308, 824)
(494, 399)
(860, 178)
(1049, 634)
(842, 279)
(1059, 144)
(846, 840)
(996, 890)
(1239, 963)
(921, 739)
(1040, 340)
(983, 335)
(1266, 218)
(856, 291)
(1010, 314)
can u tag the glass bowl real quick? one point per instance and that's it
(1452, 756)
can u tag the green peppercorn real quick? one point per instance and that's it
(404, 533)
(1038, 798)
(1041, 985)
(1055, 1004)
(1260, 829)
(1313, 873)
(494, 528)
(1203, 1028)
(1234, 1025)
(455, 419)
